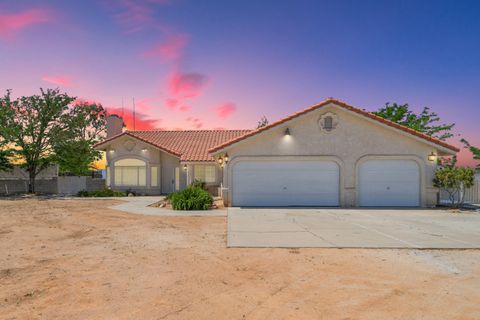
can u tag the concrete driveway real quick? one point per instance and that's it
(352, 228)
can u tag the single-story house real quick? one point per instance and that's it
(330, 154)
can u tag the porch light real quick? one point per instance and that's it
(225, 158)
(220, 161)
(185, 167)
(287, 132)
(144, 150)
(432, 156)
(111, 150)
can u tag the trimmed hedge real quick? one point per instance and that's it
(102, 193)
(191, 198)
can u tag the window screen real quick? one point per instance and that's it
(205, 173)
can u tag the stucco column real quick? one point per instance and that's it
(189, 174)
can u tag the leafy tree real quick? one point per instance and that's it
(425, 122)
(454, 180)
(262, 122)
(474, 150)
(37, 127)
(74, 150)
(5, 155)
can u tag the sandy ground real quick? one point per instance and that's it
(76, 259)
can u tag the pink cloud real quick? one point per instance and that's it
(171, 103)
(142, 121)
(144, 104)
(185, 108)
(81, 101)
(195, 122)
(62, 81)
(170, 50)
(186, 85)
(12, 24)
(225, 110)
(136, 15)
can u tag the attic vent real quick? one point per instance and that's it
(328, 122)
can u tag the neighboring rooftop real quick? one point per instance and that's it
(188, 145)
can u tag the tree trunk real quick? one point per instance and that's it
(462, 195)
(31, 181)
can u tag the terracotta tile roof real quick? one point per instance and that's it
(345, 106)
(188, 145)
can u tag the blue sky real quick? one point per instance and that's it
(224, 64)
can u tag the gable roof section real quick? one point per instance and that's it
(188, 145)
(345, 106)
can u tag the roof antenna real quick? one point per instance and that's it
(123, 110)
(133, 99)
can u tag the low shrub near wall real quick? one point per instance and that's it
(102, 193)
(191, 198)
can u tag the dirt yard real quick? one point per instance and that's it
(66, 259)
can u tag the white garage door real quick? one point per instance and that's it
(285, 183)
(389, 183)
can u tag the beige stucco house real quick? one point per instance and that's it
(331, 154)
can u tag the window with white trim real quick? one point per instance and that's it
(205, 173)
(154, 176)
(130, 172)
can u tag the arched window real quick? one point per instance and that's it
(130, 172)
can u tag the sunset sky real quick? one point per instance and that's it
(224, 64)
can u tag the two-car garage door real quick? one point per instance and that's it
(286, 183)
(272, 182)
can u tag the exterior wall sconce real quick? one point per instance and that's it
(144, 150)
(287, 132)
(111, 150)
(220, 161)
(225, 158)
(185, 167)
(432, 156)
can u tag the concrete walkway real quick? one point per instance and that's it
(140, 205)
(352, 228)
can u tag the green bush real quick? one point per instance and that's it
(198, 184)
(168, 197)
(102, 193)
(191, 198)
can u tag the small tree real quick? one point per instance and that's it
(262, 122)
(454, 180)
(425, 122)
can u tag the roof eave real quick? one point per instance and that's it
(127, 133)
(440, 145)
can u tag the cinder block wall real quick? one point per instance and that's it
(64, 185)
(95, 184)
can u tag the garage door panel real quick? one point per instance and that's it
(389, 183)
(285, 183)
